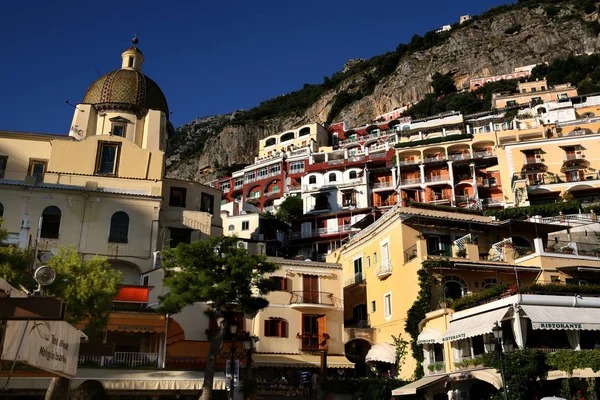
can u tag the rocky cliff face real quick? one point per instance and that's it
(199, 150)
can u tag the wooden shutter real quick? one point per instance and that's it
(283, 328)
(322, 326)
(267, 326)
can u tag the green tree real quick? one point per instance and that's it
(217, 272)
(290, 209)
(442, 84)
(87, 286)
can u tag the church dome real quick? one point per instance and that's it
(127, 87)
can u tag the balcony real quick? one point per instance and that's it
(122, 359)
(573, 156)
(437, 178)
(225, 189)
(333, 185)
(383, 185)
(483, 154)
(321, 232)
(357, 279)
(532, 160)
(411, 181)
(311, 300)
(132, 294)
(437, 158)
(406, 162)
(459, 157)
(238, 186)
(272, 193)
(384, 270)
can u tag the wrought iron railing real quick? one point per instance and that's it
(312, 297)
(122, 359)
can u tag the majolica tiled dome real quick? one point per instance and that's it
(127, 86)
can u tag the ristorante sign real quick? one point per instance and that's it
(52, 346)
(559, 325)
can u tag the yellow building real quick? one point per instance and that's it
(312, 135)
(470, 253)
(535, 92)
(102, 189)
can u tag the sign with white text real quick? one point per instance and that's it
(52, 346)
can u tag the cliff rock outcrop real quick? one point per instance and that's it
(200, 149)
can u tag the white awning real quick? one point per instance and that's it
(473, 326)
(412, 388)
(429, 335)
(125, 380)
(383, 352)
(563, 318)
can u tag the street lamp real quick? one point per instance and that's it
(497, 331)
(232, 354)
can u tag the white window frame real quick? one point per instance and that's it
(247, 223)
(387, 307)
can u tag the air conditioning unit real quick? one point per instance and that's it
(242, 245)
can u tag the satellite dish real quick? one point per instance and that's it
(44, 275)
(45, 257)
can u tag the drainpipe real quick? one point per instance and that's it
(37, 241)
(164, 357)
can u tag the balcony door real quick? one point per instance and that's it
(310, 289)
(314, 327)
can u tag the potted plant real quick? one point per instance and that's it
(461, 253)
(568, 250)
(550, 249)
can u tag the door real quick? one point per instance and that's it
(358, 276)
(306, 229)
(310, 332)
(332, 225)
(310, 289)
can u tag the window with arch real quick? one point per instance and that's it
(231, 227)
(287, 136)
(489, 282)
(1, 210)
(352, 175)
(304, 131)
(312, 179)
(454, 287)
(119, 227)
(270, 142)
(51, 222)
(276, 327)
(332, 177)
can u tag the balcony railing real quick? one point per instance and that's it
(437, 178)
(122, 360)
(321, 232)
(273, 193)
(435, 158)
(436, 368)
(408, 162)
(532, 160)
(483, 154)
(357, 278)
(458, 157)
(554, 179)
(381, 185)
(568, 157)
(410, 181)
(312, 297)
(225, 189)
(383, 270)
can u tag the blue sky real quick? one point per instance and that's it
(209, 57)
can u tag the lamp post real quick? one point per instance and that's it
(232, 354)
(497, 330)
